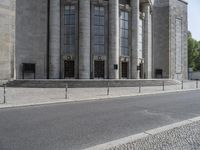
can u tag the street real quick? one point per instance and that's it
(78, 125)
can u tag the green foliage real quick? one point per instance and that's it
(193, 53)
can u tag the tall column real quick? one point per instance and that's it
(114, 39)
(147, 41)
(54, 44)
(135, 5)
(84, 39)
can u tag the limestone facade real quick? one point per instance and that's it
(87, 39)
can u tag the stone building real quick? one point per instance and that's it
(87, 39)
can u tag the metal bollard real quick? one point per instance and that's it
(182, 85)
(163, 84)
(108, 89)
(140, 87)
(66, 89)
(197, 84)
(4, 91)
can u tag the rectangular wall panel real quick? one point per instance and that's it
(178, 46)
(140, 46)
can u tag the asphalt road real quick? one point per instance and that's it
(74, 126)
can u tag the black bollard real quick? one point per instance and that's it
(66, 90)
(108, 88)
(4, 91)
(163, 85)
(140, 87)
(182, 85)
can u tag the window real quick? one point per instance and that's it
(124, 36)
(99, 29)
(69, 29)
(124, 1)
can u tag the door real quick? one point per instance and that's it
(124, 69)
(99, 69)
(141, 70)
(69, 69)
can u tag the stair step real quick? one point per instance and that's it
(88, 83)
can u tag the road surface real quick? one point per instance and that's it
(74, 126)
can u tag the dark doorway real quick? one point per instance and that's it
(141, 69)
(69, 69)
(159, 73)
(124, 69)
(99, 69)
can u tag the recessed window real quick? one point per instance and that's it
(69, 29)
(99, 30)
(124, 1)
(124, 36)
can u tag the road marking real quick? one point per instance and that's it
(142, 135)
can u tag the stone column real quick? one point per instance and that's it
(147, 41)
(113, 39)
(84, 39)
(54, 45)
(135, 5)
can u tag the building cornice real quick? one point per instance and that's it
(184, 1)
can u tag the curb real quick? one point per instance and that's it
(142, 135)
(91, 99)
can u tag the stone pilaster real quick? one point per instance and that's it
(147, 41)
(84, 39)
(7, 39)
(113, 39)
(135, 4)
(54, 47)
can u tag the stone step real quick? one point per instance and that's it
(88, 83)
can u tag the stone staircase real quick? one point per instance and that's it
(77, 83)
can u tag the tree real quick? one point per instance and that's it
(193, 53)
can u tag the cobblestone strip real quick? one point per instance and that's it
(184, 135)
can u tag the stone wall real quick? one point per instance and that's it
(170, 28)
(161, 35)
(178, 39)
(31, 36)
(7, 34)
(194, 75)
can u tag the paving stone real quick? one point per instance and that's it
(181, 138)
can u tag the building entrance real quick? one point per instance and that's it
(124, 69)
(141, 70)
(69, 69)
(99, 69)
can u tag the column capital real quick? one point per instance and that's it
(147, 8)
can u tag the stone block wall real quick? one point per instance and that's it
(160, 14)
(178, 39)
(31, 36)
(170, 28)
(7, 39)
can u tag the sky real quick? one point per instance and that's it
(194, 18)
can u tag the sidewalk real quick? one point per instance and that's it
(183, 135)
(34, 96)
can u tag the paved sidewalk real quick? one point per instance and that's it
(186, 137)
(33, 96)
